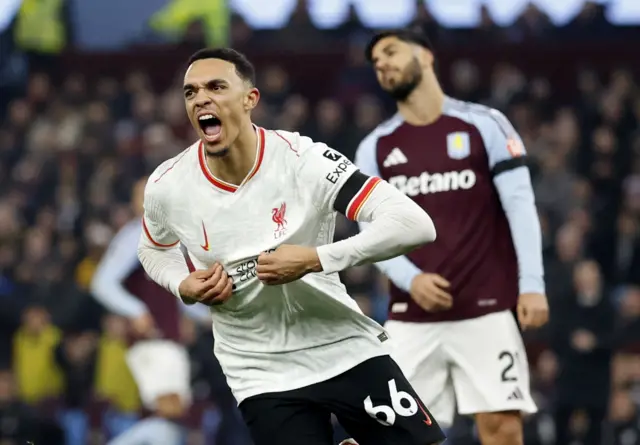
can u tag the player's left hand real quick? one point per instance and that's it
(533, 310)
(287, 263)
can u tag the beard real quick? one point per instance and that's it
(411, 78)
(216, 154)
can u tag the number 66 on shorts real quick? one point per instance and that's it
(407, 409)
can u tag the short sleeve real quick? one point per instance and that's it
(502, 142)
(335, 182)
(323, 170)
(366, 156)
(154, 223)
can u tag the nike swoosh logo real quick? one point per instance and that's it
(205, 246)
(427, 420)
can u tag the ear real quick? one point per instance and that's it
(251, 99)
(424, 56)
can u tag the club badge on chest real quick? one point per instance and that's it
(278, 216)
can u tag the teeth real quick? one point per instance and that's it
(206, 116)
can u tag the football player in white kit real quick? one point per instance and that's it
(256, 209)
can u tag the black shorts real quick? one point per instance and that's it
(374, 403)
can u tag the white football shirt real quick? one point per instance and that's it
(268, 338)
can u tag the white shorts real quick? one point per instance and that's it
(479, 364)
(160, 367)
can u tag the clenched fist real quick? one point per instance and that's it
(431, 292)
(211, 287)
(533, 310)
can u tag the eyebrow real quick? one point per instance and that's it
(212, 82)
(385, 49)
(389, 46)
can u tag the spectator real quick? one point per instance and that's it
(583, 342)
(114, 383)
(18, 422)
(75, 356)
(37, 374)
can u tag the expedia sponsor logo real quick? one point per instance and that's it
(428, 183)
(338, 170)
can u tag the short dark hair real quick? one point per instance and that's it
(244, 68)
(409, 35)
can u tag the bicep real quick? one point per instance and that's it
(324, 172)
(158, 235)
(155, 228)
(118, 262)
(505, 149)
(366, 157)
(354, 193)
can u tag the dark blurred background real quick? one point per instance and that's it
(90, 101)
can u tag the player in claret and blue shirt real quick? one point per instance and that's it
(450, 314)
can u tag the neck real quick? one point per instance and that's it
(424, 104)
(234, 166)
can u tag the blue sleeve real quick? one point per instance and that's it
(507, 161)
(120, 259)
(197, 312)
(400, 269)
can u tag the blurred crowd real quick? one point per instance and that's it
(72, 147)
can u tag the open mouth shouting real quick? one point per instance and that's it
(211, 126)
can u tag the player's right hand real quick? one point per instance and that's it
(144, 326)
(211, 286)
(430, 291)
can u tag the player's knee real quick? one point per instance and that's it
(503, 428)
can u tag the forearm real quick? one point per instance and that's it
(197, 312)
(166, 267)
(396, 225)
(400, 270)
(113, 296)
(516, 195)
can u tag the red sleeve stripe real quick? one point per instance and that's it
(361, 197)
(150, 238)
